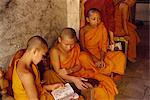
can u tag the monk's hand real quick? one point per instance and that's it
(100, 64)
(112, 42)
(78, 81)
(64, 71)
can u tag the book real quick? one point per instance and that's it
(64, 93)
(115, 47)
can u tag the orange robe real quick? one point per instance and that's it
(119, 31)
(51, 77)
(17, 55)
(19, 91)
(96, 40)
(107, 10)
(9, 73)
(106, 89)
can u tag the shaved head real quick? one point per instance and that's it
(91, 11)
(36, 42)
(68, 33)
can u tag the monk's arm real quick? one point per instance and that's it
(124, 10)
(55, 61)
(75, 68)
(111, 34)
(29, 85)
(53, 86)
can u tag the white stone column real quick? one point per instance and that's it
(73, 19)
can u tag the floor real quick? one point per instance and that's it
(136, 82)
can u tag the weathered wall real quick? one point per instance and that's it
(21, 19)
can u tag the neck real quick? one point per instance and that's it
(61, 49)
(26, 59)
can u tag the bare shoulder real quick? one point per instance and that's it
(54, 51)
(24, 73)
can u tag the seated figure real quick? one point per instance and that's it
(77, 67)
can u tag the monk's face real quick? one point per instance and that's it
(67, 43)
(39, 55)
(94, 19)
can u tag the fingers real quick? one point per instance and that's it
(100, 64)
(83, 79)
(88, 84)
(84, 86)
(60, 84)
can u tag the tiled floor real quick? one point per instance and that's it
(136, 82)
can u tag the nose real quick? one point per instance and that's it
(98, 20)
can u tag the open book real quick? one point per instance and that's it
(64, 93)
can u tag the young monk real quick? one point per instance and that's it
(107, 10)
(26, 79)
(75, 66)
(9, 72)
(94, 40)
(123, 27)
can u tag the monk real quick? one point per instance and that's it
(26, 79)
(123, 27)
(94, 40)
(9, 72)
(76, 66)
(107, 11)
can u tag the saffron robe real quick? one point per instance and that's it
(9, 72)
(106, 89)
(119, 31)
(19, 91)
(107, 10)
(96, 40)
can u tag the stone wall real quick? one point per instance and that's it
(21, 19)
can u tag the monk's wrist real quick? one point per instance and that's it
(69, 71)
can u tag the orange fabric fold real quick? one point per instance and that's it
(119, 31)
(88, 70)
(96, 40)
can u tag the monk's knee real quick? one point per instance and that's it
(84, 56)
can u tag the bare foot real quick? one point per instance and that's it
(133, 60)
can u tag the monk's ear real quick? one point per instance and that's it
(87, 19)
(34, 50)
(59, 39)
